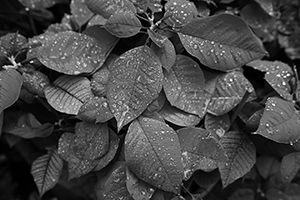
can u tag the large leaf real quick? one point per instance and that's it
(137, 188)
(107, 8)
(40, 4)
(68, 93)
(46, 171)
(10, 87)
(223, 42)
(290, 166)
(80, 12)
(73, 53)
(83, 149)
(280, 121)
(123, 24)
(152, 152)
(229, 91)
(200, 150)
(136, 80)
(184, 85)
(242, 156)
(278, 75)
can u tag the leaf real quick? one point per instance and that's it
(68, 93)
(35, 82)
(179, 13)
(267, 166)
(95, 110)
(242, 156)
(40, 4)
(107, 8)
(96, 20)
(83, 149)
(46, 171)
(142, 5)
(136, 80)
(123, 24)
(242, 193)
(80, 12)
(73, 53)
(138, 189)
(178, 117)
(278, 75)
(10, 87)
(27, 126)
(223, 42)
(290, 166)
(199, 150)
(152, 152)
(219, 124)
(229, 91)
(280, 121)
(184, 85)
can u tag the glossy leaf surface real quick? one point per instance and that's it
(80, 11)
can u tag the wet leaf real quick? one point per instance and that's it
(178, 117)
(290, 166)
(152, 152)
(184, 85)
(95, 110)
(219, 124)
(73, 53)
(27, 126)
(10, 87)
(96, 20)
(40, 4)
(136, 80)
(138, 189)
(229, 91)
(80, 12)
(46, 171)
(223, 42)
(35, 82)
(83, 149)
(107, 8)
(268, 6)
(280, 121)
(278, 75)
(242, 156)
(179, 13)
(199, 150)
(143, 5)
(68, 93)
(123, 24)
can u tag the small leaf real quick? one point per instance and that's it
(222, 42)
(40, 4)
(152, 152)
(199, 150)
(68, 93)
(229, 91)
(267, 166)
(242, 156)
(80, 12)
(220, 124)
(73, 53)
(46, 171)
(138, 189)
(95, 110)
(290, 166)
(280, 121)
(123, 24)
(107, 8)
(136, 80)
(184, 85)
(10, 87)
(35, 82)
(143, 5)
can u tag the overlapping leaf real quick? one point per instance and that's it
(10, 87)
(220, 124)
(40, 4)
(83, 149)
(290, 166)
(184, 85)
(242, 156)
(80, 11)
(199, 150)
(138, 189)
(143, 5)
(223, 42)
(46, 171)
(229, 91)
(278, 75)
(68, 93)
(73, 53)
(136, 80)
(152, 152)
(280, 121)
(123, 24)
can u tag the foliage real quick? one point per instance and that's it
(158, 99)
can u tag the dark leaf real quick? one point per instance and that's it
(223, 42)
(267, 166)
(220, 124)
(40, 4)
(290, 166)
(242, 193)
